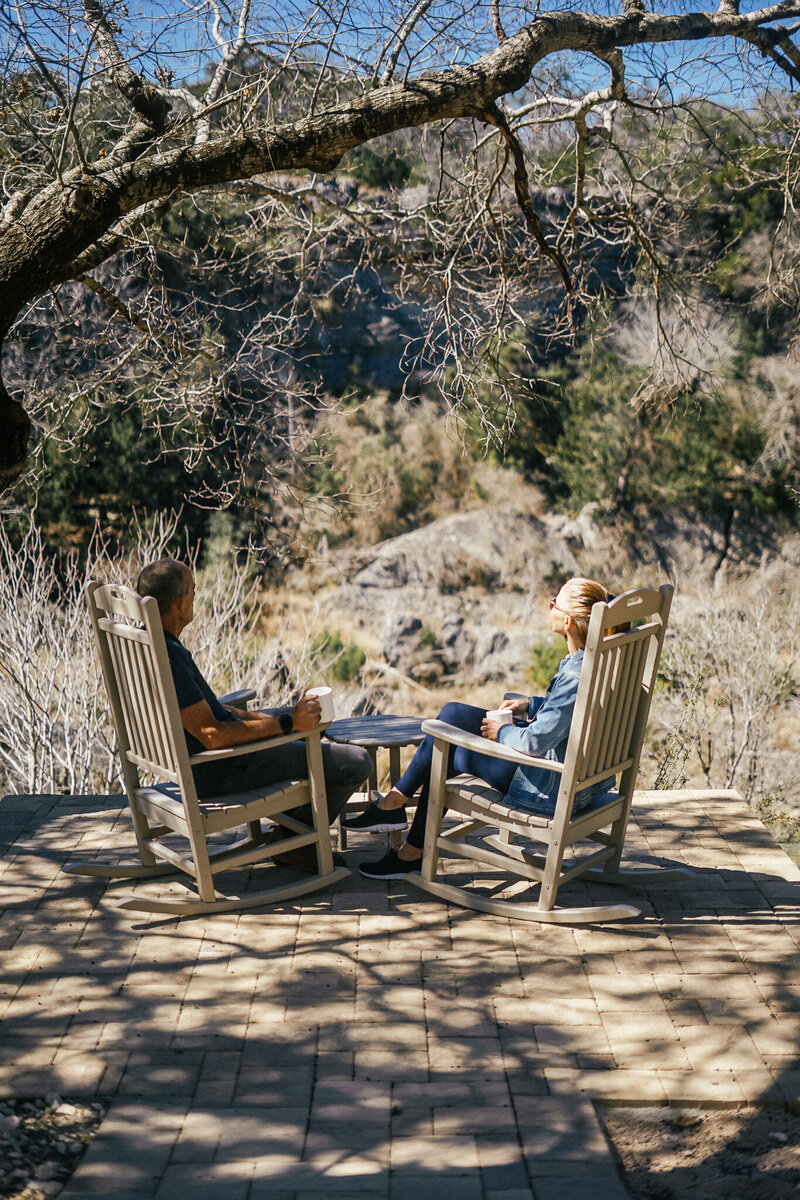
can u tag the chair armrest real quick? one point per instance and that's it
(470, 741)
(514, 696)
(238, 699)
(252, 747)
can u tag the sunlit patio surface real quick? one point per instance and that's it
(368, 1041)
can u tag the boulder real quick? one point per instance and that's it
(456, 642)
(499, 548)
(401, 639)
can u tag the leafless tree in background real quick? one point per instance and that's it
(54, 713)
(119, 123)
(731, 675)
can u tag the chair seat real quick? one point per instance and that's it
(163, 803)
(482, 801)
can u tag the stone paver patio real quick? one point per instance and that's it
(370, 1042)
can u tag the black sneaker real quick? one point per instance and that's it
(377, 820)
(391, 866)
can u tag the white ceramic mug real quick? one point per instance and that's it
(504, 715)
(325, 697)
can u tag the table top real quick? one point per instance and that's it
(377, 729)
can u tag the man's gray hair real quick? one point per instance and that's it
(167, 580)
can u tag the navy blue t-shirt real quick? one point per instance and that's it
(191, 687)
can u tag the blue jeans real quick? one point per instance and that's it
(494, 771)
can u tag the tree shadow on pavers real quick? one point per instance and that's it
(379, 983)
(311, 1096)
(709, 892)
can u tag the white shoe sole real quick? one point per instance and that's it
(383, 828)
(394, 874)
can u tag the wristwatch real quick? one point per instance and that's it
(286, 722)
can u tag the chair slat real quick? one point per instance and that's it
(126, 698)
(119, 631)
(157, 716)
(622, 657)
(130, 685)
(601, 709)
(144, 704)
(631, 698)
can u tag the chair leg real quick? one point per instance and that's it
(319, 808)
(204, 876)
(430, 855)
(141, 828)
(552, 871)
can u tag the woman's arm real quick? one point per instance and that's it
(551, 720)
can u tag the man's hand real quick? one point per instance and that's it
(306, 714)
(518, 707)
(489, 728)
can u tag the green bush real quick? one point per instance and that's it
(342, 661)
(427, 637)
(387, 169)
(544, 661)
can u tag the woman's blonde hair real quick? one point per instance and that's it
(582, 595)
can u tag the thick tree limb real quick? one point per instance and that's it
(778, 45)
(146, 102)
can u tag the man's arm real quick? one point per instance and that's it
(213, 734)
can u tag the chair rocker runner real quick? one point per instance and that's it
(606, 735)
(152, 744)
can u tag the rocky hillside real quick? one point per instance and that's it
(464, 597)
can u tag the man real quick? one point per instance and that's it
(210, 725)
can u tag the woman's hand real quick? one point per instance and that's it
(489, 728)
(518, 707)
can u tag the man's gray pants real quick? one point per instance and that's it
(346, 769)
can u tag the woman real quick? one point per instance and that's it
(543, 731)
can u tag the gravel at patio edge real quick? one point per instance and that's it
(42, 1141)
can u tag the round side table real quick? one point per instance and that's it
(378, 731)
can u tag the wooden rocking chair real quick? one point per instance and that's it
(156, 770)
(608, 728)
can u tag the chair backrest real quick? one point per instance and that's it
(616, 688)
(139, 683)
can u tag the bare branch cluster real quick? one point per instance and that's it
(735, 662)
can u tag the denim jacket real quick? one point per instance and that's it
(546, 735)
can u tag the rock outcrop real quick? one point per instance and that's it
(466, 596)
